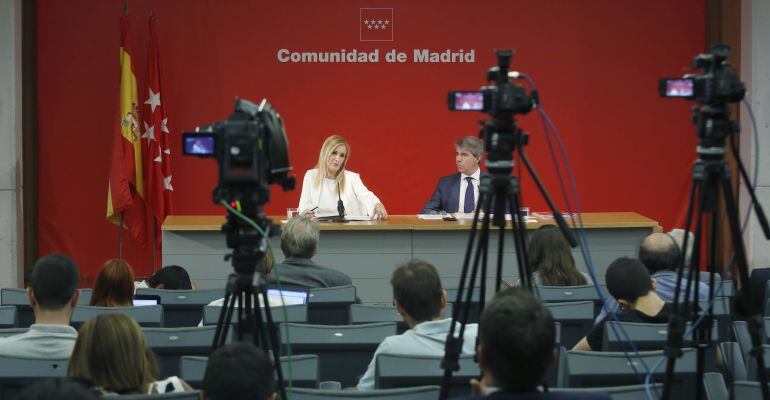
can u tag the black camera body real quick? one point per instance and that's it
(251, 150)
(714, 89)
(718, 84)
(502, 100)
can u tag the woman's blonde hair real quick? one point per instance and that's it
(114, 285)
(331, 143)
(111, 353)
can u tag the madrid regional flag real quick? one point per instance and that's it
(125, 193)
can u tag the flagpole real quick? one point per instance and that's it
(120, 237)
(154, 243)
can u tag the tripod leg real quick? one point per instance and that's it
(500, 248)
(676, 321)
(556, 213)
(453, 345)
(220, 335)
(754, 321)
(269, 330)
(520, 243)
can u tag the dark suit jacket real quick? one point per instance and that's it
(302, 272)
(544, 396)
(446, 197)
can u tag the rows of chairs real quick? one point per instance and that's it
(340, 352)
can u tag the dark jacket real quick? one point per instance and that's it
(303, 272)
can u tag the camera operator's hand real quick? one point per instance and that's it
(380, 212)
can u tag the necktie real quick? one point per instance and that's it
(469, 204)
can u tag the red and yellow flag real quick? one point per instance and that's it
(125, 194)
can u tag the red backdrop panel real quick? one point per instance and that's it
(596, 64)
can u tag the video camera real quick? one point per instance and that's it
(719, 82)
(714, 89)
(503, 97)
(251, 150)
(501, 100)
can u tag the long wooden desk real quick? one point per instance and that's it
(368, 251)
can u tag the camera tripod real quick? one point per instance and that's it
(499, 191)
(246, 289)
(711, 175)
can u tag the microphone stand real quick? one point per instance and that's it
(340, 210)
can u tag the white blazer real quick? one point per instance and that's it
(357, 198)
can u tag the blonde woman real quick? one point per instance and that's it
(111, 354)
(329, 180)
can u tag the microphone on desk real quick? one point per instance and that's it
(340, 204)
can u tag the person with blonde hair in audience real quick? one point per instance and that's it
(114, 285)
(330, 181)
(53, 293)
(420, 299)
(111, 353)
(551, 261)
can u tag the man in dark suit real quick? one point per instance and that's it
(452, 194)
(516, 347)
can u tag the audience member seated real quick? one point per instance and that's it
(171, 277)
(629, 282)
(516, 347)
(420, 299)
(274, 300)
(53, 292)
(678, 236)
(661, 255)
(299, 243)
(111, 354)
(239, 371)
(114, 285)
(551, 261)
(59, 389)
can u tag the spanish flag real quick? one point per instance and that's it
(125, 193)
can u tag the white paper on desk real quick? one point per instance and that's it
(347, 217)
(358, 218)
(432, 217)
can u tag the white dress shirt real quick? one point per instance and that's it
(464, 186)
(358, 200)
(425, 339)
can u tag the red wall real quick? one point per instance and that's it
(596, 63)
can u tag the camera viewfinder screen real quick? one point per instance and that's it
(203, 145)
(471, 101)
(679, 87)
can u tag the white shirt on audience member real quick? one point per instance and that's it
(425, 339)
(42, 341)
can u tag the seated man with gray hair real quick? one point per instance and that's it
(459, 192)
(299, 243)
